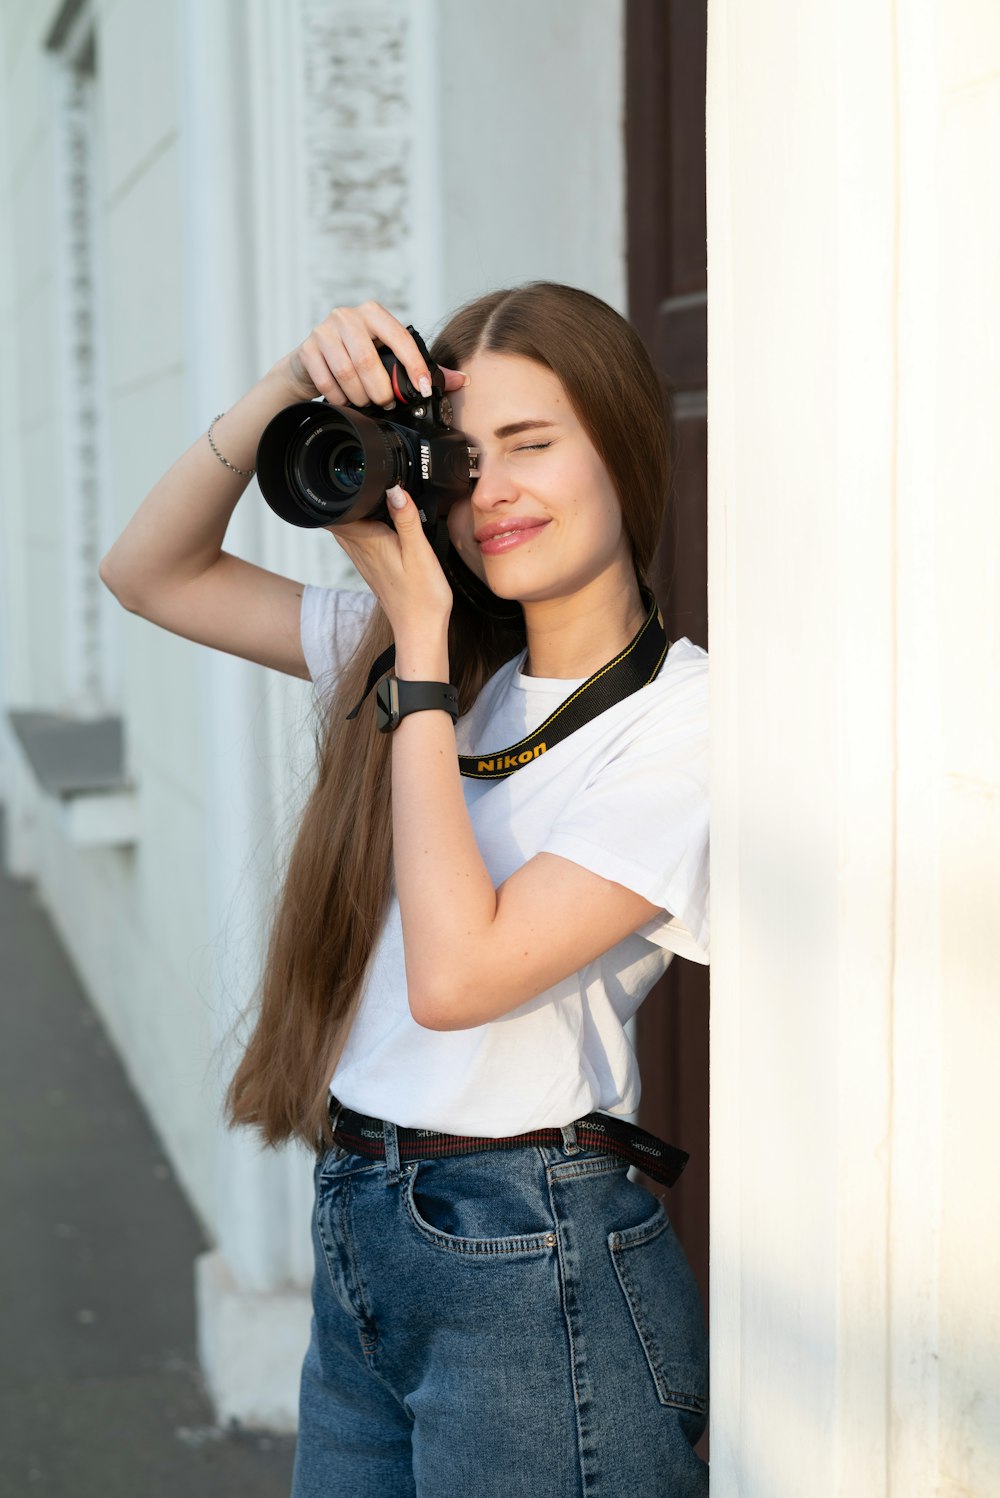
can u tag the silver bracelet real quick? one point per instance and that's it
(246, 473)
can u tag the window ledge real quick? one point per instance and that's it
(80, 763)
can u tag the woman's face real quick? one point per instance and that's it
(543, 519)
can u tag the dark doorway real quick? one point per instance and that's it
(667, 285)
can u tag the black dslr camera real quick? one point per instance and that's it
(320, 465)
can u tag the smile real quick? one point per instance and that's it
(507, 540)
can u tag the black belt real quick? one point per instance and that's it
(362, 1135)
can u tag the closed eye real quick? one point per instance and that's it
(533, 447)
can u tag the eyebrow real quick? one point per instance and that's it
(522, 426)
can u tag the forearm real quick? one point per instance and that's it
(446, 896)
(178, 529)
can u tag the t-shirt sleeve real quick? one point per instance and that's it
(331, 621)
(642, 821)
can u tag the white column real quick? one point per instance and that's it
(801, 632)
(253, 1303)
(13, 666)
(945, 1217)
(853, 241)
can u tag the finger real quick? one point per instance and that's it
(372, 373)
(392, 333)
(454, 379)
(404, 513)
(319, 372)
(301, 376)
(341, 362)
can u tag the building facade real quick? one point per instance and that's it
(188, 189)
(185, 190)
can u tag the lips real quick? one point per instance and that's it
(502, 535)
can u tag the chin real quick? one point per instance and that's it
(528, 578)
(504, 581)
(523, 589)
(509, 591)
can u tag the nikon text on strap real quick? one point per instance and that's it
(634, 667)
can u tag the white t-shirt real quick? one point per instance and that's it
(625, 796)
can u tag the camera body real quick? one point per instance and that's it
(321, 465)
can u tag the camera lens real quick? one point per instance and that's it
(346, 466)
(321, 465)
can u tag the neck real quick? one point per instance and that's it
(573, 637)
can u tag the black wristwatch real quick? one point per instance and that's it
(395, 698)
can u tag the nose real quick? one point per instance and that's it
(494, 485)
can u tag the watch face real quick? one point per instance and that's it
(386, 704)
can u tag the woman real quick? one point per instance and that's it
(458, 956)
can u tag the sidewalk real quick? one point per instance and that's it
(100, 1394)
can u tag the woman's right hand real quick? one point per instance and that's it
(339, 359)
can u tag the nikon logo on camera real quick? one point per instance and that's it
(425, 461)
(508, 761)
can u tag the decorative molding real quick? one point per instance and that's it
(66, 23)
(335, 133)
(359, 135)
(90, 666)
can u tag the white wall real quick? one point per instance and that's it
(532, 179)
(854, 242)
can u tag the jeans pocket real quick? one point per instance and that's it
(460, 1207)
(587, 1162)
(665, 1305)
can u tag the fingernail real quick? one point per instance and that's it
(389, 405)
(425, 386)
(396, 497)
(466, 379)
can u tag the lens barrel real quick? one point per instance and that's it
(323, 465)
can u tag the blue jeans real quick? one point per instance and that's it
(514, 1322)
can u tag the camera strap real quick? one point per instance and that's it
(634, 667)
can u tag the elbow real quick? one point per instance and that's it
(439, 1008)
(428, 1012)
(104, 573)
(454, 1001)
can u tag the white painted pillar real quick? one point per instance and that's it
(853, 243)
(14, 684)
(253, 1303)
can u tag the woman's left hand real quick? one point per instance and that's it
(400, 567)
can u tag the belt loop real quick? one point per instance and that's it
(391, 1142)
(570, 1146)
(334, 1108)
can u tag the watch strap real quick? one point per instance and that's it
(394, 698)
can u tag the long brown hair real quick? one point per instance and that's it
(336, 889)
